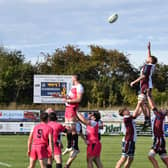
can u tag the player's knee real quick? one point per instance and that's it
(141, 97)
(151, 154)
(163, 156)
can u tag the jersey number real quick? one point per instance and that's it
(39, 133)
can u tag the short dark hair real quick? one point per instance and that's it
(77, 76)
(44, 117)
(52, 116)
(96, 115)
(154, 60)
(121, 111)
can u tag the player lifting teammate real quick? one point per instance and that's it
(145, 80)
(128, 142)
(159, 143)
(92, 139)
(57, 129)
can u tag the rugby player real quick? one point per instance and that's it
(38, 142)
(92, 139)
(146, 85)
(129, 140)
(57, 130)
(159, 143)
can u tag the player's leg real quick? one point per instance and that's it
(32, 163)
(58, 160)
(151, 157)
(121, 161)
(90, 162)
(43, 163)
(124, 156)
(70, 159)
(98, 162)
(162, 153)
(165, 159)
(130, 153)
(75, 138)
(70, 119)
(128, 162)
(49, 162)
(147, 109)
(69, 137)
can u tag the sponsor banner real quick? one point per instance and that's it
(16, 127)
(47, 85)
(19, 115)
(112, 128)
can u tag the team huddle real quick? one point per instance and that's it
(44, 142)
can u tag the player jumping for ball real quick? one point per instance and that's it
(159, 143)
(72, 101)
(145, 80)
(128, 142)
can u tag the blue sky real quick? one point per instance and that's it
(35, 26)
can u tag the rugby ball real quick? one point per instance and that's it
(113, 18)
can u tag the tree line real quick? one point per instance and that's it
(105, 74)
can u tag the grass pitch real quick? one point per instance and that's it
(13, 152)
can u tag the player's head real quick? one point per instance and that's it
(98, 115)
(75, 78)
(124, 111)
(52, 116)
(152, 60)
(44, 117)
(95, 116)
(49, 110)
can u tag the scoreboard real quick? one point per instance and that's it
(47, 85)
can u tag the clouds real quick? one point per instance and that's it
(43, 25)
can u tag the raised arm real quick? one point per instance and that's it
(82, 119)
(151, 103)
(149, 50)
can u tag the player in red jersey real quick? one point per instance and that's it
(57, 130)
(146, 85)
(92, 139)
(159, 143)
(38, 142)
(72, 101)
(128, 142)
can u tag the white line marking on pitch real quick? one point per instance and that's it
(5, 164)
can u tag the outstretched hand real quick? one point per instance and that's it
(149, 45)
(132, 84)
(56, 95)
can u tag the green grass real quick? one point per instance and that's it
(13, 151)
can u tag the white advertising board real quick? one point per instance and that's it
(16, 127)
(19, 115)
(47, 85)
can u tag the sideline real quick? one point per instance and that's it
(5, 164)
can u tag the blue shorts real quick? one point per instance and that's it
(128, 148)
